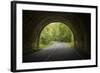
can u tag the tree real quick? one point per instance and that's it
(56, 31)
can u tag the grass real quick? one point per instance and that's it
(70, 44)
(43, 45)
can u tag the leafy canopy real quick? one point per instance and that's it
(55, 31)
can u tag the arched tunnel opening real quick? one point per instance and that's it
(56, 33)
(45, 35)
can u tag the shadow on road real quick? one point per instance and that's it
(56, 52)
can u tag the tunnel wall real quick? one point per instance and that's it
(35, 21)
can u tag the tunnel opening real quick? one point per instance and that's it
(34, 25)
(56, 33)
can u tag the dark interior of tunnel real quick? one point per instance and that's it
(35, 21)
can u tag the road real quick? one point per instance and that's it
(56, 52)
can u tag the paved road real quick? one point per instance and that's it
(56, 52)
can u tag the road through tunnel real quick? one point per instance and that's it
(35, 21)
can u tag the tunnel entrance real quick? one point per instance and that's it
(46, 35)
(56, 33)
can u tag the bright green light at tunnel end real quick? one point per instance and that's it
(56, 32)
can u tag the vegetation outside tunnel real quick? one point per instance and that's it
(56, 32)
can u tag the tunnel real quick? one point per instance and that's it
(35, 21)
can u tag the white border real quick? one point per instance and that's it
(21, 66)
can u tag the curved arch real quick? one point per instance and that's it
(48, 20)
(55, 35)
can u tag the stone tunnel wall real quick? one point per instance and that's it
(35, 21)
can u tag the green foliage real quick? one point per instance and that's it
(56, 31)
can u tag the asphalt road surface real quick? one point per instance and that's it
(56, 52)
